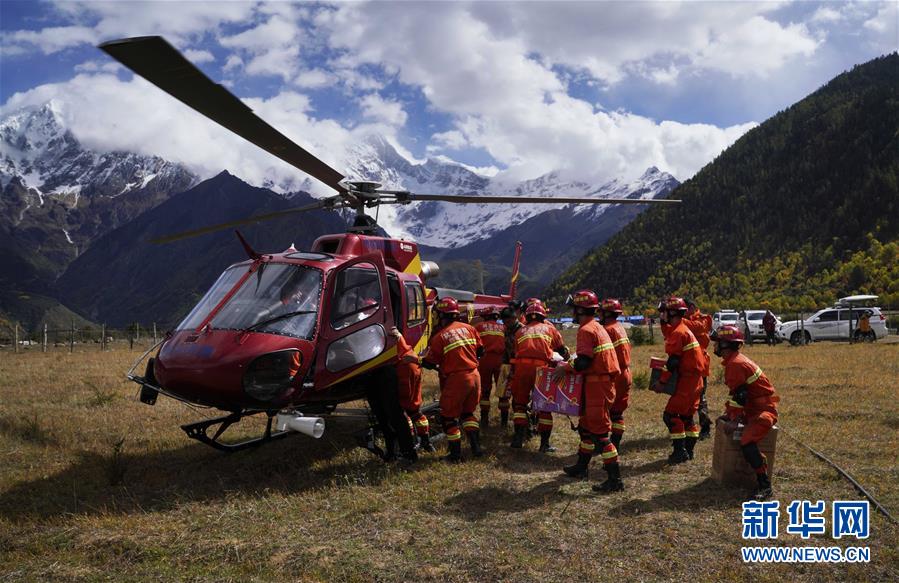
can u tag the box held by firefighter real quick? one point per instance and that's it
(728, 464)
(656, 368)
(562, 396)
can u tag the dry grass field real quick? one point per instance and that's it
(95, 485)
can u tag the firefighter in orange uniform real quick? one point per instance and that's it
(752, 402)
(454, 351)
(535, 343)
(493, 335)
(511, 325)
(701, 326)
(408, 372)
(685, 358)
(610, 310)
(596, 360)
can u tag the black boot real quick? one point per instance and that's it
(474, 441)
(545, 447)
(485, 418)
(705, 432)
(764, 490)
(579, 469)
(455, 451)
(615, 438)
(679, 455)
(518, 438)
(689, 444)
(504, 418)
(424, 443)
(614, 483)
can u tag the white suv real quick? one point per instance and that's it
(832, 324)
(725, 317)
(756, 328)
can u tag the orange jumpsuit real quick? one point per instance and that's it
(701, 326)
(534, 346)
(759, 413)
(684, 402)
(408, 373)
(454, 349)
(493, 335)
(623, 381)
(599, 390)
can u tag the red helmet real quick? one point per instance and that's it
(530, 301)
(675, 304)
(611, 305)
(447, 306)
(584, 298)
(489, 312)
(535, 308)
(728, 333)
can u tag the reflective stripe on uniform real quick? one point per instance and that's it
(586, 446)
(604, 347)
(485, 403)
(610, 454)
(423, 422)
(534, 337)
(755, 376)
(492, 333)
(456, 436)
(519, 415)
(545, 422)
(692, 433)
(680, 435)
(691, 345)
(458, 343)
(470, 425)
(617, 425)
(621, 341)
(734, 404)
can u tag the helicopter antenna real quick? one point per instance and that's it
(246, 247)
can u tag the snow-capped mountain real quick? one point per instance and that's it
(57, 197)
(439, 224)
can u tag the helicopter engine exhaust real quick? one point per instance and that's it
(311, 426)
(429, 270)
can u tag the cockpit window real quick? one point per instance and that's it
(278, 298)
(357, 295)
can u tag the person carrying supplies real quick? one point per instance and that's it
(701, 326)
(596, 360)
(609, 312)
(535, 343)
(752, 402)
(493, 335)
(408, 372)
(454, 350)
(686, 359)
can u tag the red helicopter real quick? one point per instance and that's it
(292, 335)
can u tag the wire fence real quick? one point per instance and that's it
(16, 338)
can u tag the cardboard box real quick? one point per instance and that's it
(728, 464)
(563, 396)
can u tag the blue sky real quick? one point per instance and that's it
(596, 90)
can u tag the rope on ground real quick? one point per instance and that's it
(845, 474)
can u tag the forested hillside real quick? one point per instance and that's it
(800, 210)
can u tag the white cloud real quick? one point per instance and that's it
(199, 56)
(827, 14)
(271, 48)
(48, 40)
(451, 140)
(886, 21)
(385, 110)
(313, 79)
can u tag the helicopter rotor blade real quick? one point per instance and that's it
(477, 199)
(331, 202)
(161, 64)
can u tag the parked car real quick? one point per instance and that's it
(725, 317)
(756, 329)
(832, 324)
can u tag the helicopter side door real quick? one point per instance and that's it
(415, 314)
(355, 321)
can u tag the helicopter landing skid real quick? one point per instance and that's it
(199, 430)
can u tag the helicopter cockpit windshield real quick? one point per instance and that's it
(278, 298)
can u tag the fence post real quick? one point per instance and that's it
(154, 333)
(72, 337)
(103, 337)
(44, 342)
(131, 338)
(15, 339)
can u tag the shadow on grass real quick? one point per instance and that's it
(644, 443)
(628, 471)
(699, 497)
(478, 503)
(157, 480)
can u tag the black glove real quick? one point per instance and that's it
(582, 362)
(673, 363)
(740, 395)
(480, 351)
(564, 352)
(428, 365)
